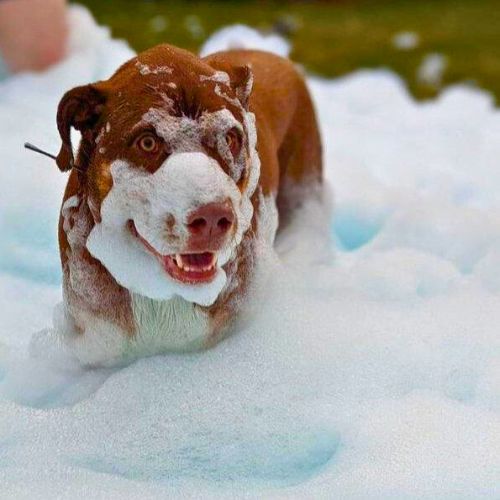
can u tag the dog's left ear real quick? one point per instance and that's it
(241, 78)
(79, 108)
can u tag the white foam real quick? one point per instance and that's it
(406, 40)
(374, 374)
(239, 36)
(148, 200)
(145, 69)
(432, 69)
(218, 76)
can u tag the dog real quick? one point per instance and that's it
(185, 167)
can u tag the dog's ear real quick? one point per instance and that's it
(241, 78)
(79, 108)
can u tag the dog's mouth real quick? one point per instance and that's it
(188, 268)
(191, 268)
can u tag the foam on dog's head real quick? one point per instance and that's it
(183, 182)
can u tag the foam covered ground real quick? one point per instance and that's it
(372, 367)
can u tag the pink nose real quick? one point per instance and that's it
(210, 224)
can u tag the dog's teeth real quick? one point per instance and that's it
(178, 260)
(181, 263)
(185, 267)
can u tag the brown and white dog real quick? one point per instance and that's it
(182, 168)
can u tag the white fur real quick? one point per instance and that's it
(173, 325)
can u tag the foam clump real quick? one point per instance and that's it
(239, 36)
(369, 373)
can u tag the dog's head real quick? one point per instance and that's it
(168, 166)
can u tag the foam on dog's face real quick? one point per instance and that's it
(199, 170)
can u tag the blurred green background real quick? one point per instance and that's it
(430, 43)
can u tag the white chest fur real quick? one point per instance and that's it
(167, 325)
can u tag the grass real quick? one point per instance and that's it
(333, 38)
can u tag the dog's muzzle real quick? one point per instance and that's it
(209, 228)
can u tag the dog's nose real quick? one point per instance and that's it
(211, 222)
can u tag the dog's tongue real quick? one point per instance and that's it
(197, 259)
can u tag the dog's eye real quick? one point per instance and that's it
(233, 139)
(148, 143)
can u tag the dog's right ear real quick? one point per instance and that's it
(79, 108)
